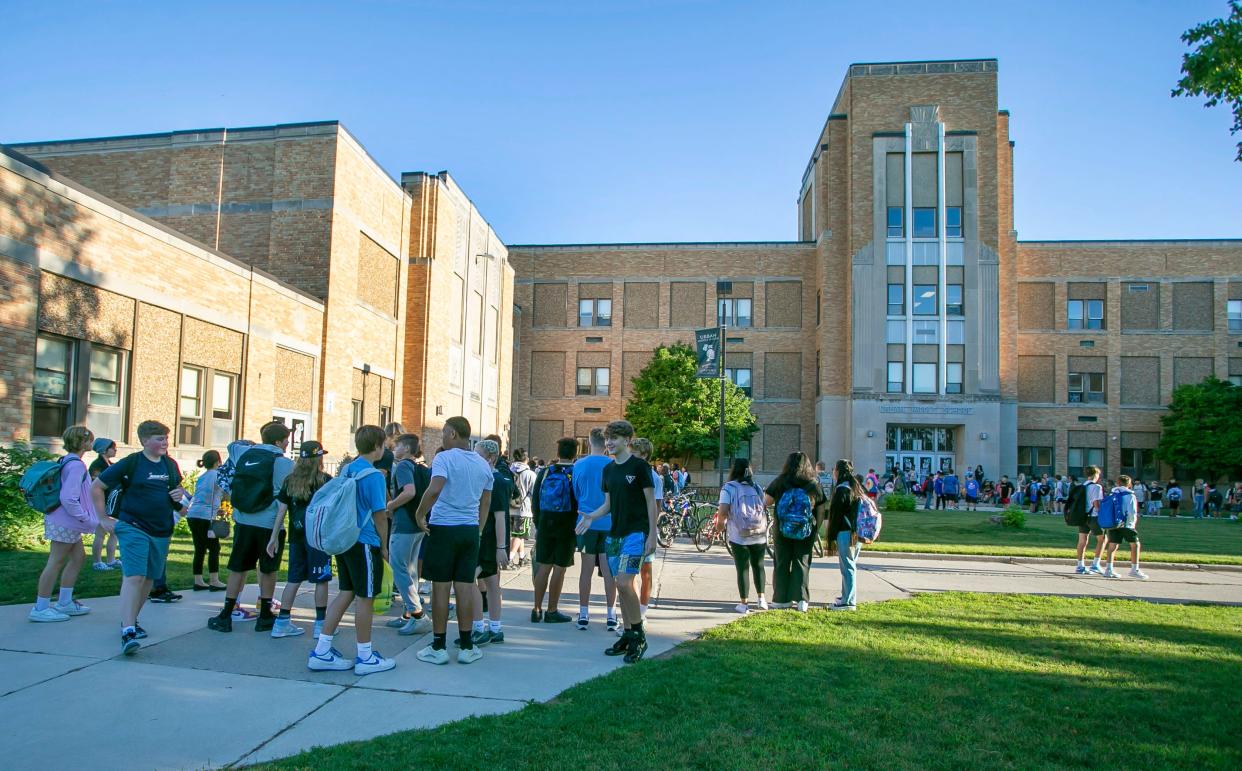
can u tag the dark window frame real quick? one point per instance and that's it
(594, 317)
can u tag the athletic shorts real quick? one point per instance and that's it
(972, 499)
(1123, 535)
(625, 554)
(452, 553)
(1092, 527)
(593, 542)
(142, 554)
(519, 526)
(487, 555)
(250, 549)
(1175, 505)
(362, 570)
(555, 540)
(306, 563)
(949, 496)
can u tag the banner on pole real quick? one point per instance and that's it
(707, 344)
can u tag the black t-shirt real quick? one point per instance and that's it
(297, 506)
(385, 463)
(624, 483)
(98, 466)
(813, 490)
(499, 505)
(145, 502)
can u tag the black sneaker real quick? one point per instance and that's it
(220, 624)
(556, 617)
(621, 647)
(636, 650)
(536, 616)
(139, 632)
(612, 625)
(129, 643)
(496, 637)
(163, 595)
(263, 623)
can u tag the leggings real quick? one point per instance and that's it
(753, 556)
(204, 546)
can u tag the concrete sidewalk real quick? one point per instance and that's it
(193, 698)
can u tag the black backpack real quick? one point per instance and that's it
(251, 490)
(1076, 505)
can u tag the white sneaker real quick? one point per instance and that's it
(763, 604)
(1136, 573)
(332, 661)
(1081, 570)
(742, 608)
(287, 629)
(101, 566)
(1110, 573)
(376, 663)
(803, 605)
(433, 656)
(469, 655)
(47, 614)
(842, 606)
(1095, 569)
(416, 626)
(74, 608)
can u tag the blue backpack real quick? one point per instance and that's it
(556, 493)
(793, 513)
(1113, 509)
(40, 485)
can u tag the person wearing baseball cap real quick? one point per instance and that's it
(105, 451)
(305, 563)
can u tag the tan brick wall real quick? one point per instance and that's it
(1036, 378)
(377, 276)
(782, 375)
(294, 381)
(779, 440)
(687, 304)
(550, 305)
(209, 345)
(1188, 370)
(548, 376)
(74, 309)
(783, 303)
(1140, 310)
(1192, 305)
(1036, 305)
(19, 292)
(642, 305)
(544, 435)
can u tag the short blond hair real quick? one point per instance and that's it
(77, 439)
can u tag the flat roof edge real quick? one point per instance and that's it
(666, 245)
(178, 132)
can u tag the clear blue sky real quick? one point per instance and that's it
(645, 121)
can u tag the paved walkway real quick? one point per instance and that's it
(193, 698)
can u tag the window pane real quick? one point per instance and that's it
(584, 313)
(190, 393)
(924, 300)
(953, 222)
(925, 222)
(584, 378)
(896, 299)
(601, 377)
(1095, 309)
(52, 368)
(1073, 314)
(222, 396)
(603, 313)
(50, 419)
(1075, 457)
(953, 299)
(895, 253)
(896, 374)
(1235, 315)
(924, 379)
(895, 332)
(743, 378)
(1043, 456)
(895, 229)
(953, 375)
(743, 312)
(955, 332)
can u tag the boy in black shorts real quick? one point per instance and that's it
(451, 513)
(629, 496)
(493, 553)
(555, 510)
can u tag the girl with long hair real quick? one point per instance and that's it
(842, 524)
(208, 497)
(742, 509)
(305, 563)
(800, 509)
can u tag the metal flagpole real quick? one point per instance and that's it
(720, 459)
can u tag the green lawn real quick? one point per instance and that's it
(939, 681)
(1217, 541)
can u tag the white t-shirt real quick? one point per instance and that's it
(466, 475)
(726, 496)
(658, 482)
(1095, 494)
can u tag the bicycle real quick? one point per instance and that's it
(817, 549)
(680, 516)
(711, 531)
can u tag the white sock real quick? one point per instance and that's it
(612, 614)
(1080, 563)
(364, 651)
(66, 596)
(127, 629)
(493, 625)
(642, 610)
(582, 610)
(324, 645)
(479, 626)
(43, 603)
(1095, 562)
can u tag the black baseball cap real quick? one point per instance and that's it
(311, 449)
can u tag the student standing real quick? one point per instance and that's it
(1095, 494)
(629, 499)
(643, 449)
(63, 527)
(451, 513)
(1174, 493)
(842, 526)
(410, 480)
(361, 567)
(800, 507)
(971, 490)
(105, 451)
(520, 480)
(257, 480)
(204, 506)
(1198, 493)
(151, 490)
(1155, 493)
(588, 491)
(938, 487)
(742, 509)
(555, 510)
(1123, 497)
(306, 563)
(493, 553)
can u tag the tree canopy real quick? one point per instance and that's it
(1203, 429)
(680, 413)
(1214, 68)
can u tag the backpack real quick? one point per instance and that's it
(332, 514)
(793, 513)
(1175, 493)
(867, 521)
(556, 492)
(40, 485)
(251, 487)
(1076, 506)
(747, 511)
(1112, 509)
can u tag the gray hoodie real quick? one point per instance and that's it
(523, 483)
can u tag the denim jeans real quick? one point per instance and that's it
(403, 557)
(847, 556)
(1199, 506)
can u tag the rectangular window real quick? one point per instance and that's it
(924, 300)
(896, 227)
(1138, 463)
(896, 377)
(476, 319)
(595, 313)
(734, 311)
(926, 332)
(896, 300)
(895, 332)
(955, 332)
(593, 381)
(1085, 314)
(953, 222)
(953, 378)
(740, 377)
(105, 394)
(923, 379)
(1235, 316)
(53, 386)
(953, 300)
(1086, 387)
(355, 416)
(924, 222)
(1080, 457)
(1235, 380)
(223, 409)
(385, 416)
(190, 419)
(1034, 461)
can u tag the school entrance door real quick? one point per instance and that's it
(922, 449)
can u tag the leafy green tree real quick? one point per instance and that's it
(1203, 429)
(680, 413)
(1214, 68)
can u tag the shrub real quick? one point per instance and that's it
(20, 526)
(1015, 517)
(899, 502)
